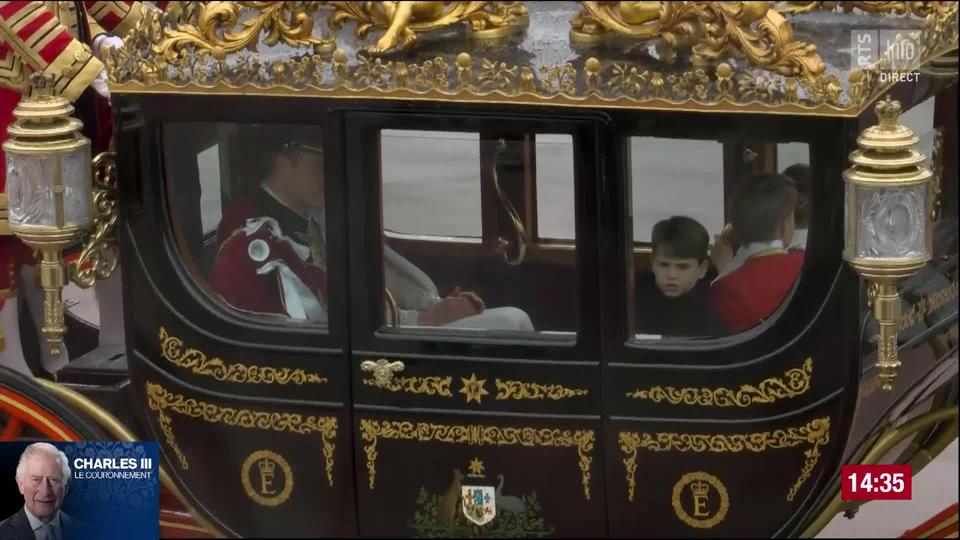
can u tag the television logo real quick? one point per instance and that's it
(112, 467)
(901, 48)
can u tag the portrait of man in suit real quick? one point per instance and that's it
(43, 477)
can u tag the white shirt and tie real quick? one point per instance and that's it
(45, 531)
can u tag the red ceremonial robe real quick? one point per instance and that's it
(255, 267)
(748, 295)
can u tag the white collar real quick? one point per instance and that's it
(754, 248)
(744, 253)
(36, 523)
(799, 239)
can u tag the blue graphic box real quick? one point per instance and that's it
(114, 489)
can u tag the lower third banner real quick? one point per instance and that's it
(79, 491)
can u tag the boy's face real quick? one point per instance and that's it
(675, 277)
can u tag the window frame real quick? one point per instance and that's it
(367, 321)
(826, 139)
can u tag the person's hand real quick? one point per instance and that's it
(722, 252)
(472, 296)
(103, 42)
(451, 308)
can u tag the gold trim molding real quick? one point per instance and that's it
(474, 389)
(521, 390)
(372, 431)
(428, 386)
(814, 434)
(195, 360)
(134, 68)
(161, 401)
(795, 382)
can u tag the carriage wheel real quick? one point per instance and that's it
(28, 412)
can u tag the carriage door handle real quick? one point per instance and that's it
(382, 370)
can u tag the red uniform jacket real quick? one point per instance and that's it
(254, 254)
(748, 295)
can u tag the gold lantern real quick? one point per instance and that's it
(48, 190)
(889, 230)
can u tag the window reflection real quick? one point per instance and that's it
(483, 281)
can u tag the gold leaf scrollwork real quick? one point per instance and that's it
(526, 390)
(402, 22)
(161, 400)
(372, 431)
(815, 434)
(795, 382)
(919, 9)
(98, 258)
(713, 30)
(786, 83)
(289, 22)
(428, 386)
(172, 350)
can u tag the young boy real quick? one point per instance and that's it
(678, 302)
(763, 224)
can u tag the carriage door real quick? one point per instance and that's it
(474, 325)
(724, 380)
(243, 391)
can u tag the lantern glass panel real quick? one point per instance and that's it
(77, 183)
(892, 221)
(31, 179)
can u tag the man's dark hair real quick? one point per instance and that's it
(800, 174)
(253, 147)
(680, 237)
(761, 203)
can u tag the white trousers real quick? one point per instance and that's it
(501, 318)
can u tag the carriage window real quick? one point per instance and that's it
(664, 182)
(248, 213)
(453, 177)
(491, 285)
(554, 174)
(706, 276)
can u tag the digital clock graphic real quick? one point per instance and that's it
(876, 482)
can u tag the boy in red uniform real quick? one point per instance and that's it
(763, 224)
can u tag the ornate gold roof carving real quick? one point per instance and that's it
(920, 9)
(712, 30)
(264, 48)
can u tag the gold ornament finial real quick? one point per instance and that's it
(888, 112)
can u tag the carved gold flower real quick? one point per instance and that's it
(473, 388)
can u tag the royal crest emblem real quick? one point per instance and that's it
(485, 511)
(479, 504)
